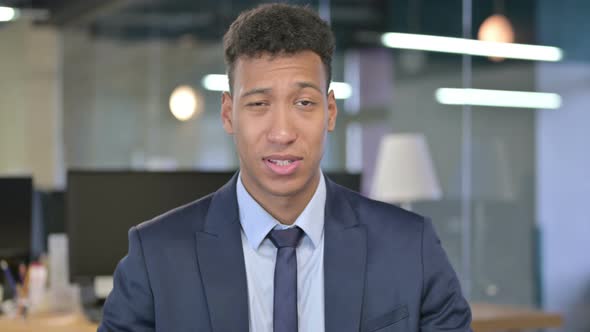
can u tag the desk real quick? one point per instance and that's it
(48, 323)
(486, 318)
(492, 318)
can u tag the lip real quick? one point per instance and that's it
(282, 157)
(282, 170)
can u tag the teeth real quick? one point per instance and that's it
(281, 162)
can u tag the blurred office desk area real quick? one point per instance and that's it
(74, 322)
(495, 318)
(486, 318)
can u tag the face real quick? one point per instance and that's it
(279, 115)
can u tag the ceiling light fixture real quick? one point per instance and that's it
(498, 98)
(470, 47)
(185, 102)
(8, 14)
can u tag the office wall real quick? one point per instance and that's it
(563, 164)
(30, 103)
(563, 193)
(116, 104)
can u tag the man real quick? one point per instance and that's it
(281, 248)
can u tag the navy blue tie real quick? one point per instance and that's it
(285, 288)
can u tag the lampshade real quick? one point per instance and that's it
(404, 172)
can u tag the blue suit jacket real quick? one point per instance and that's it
(384, 270)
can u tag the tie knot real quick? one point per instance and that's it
(289, 237)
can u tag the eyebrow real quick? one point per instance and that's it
(256, 91)
(304, 85)
(301, 85)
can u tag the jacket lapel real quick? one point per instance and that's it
(221, 262)
(345, 251)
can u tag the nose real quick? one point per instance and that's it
(282, 130)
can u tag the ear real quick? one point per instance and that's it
(332, 111)
(226, 112)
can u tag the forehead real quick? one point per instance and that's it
(281, 67)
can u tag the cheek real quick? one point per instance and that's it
(248, 136)
(315, 139)
(314, 130)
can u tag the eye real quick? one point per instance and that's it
(305, 103)
(256, 104)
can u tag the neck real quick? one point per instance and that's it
(285, 208)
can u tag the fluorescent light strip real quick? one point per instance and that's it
(471, 47)
(342, 90)
(498, 98)
(8, 14)
(218, 82)
(215, 82)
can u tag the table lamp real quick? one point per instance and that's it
(404, 172)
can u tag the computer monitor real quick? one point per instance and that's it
(52, 206)
(349, 180)
(16, 200)
(103, 205)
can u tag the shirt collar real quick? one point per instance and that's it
(256, 222)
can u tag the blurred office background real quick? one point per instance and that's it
(86, 85)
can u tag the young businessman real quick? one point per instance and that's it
(280, 247)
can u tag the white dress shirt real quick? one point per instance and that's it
(260, 256)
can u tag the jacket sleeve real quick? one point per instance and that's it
(443, 307)
(130, 306)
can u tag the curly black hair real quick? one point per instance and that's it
(278, 28)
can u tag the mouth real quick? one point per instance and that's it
(283, 165)
(281, 162)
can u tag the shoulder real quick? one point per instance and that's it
(377, 214)
(176, 223)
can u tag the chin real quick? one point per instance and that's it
(284, 187)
